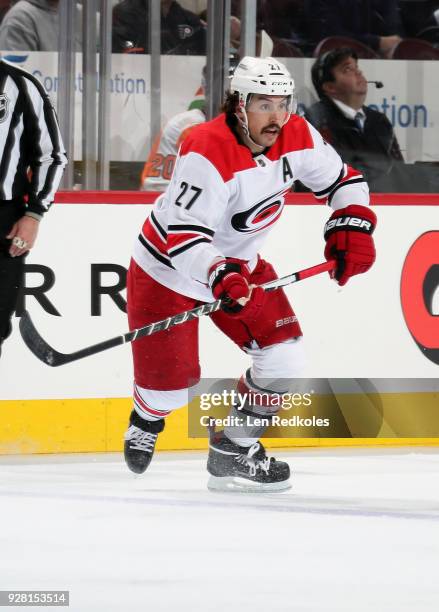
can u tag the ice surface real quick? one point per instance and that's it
(359, 531)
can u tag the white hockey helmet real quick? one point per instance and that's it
(263, 75)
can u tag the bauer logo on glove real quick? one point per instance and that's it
(348, 235)
(362, 225)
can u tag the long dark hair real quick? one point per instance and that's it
(230, 104)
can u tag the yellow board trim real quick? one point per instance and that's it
(98, 425)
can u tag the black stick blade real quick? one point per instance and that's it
(35, 343)
(48, 355)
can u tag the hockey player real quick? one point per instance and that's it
(159, 166)
(202, 241)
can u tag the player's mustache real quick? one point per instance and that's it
(272, 126)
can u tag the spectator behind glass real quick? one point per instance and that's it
(32, 25)
(5, 5)
(417, 16)
(285, 19)
(362, 136)
(159, 166)
(182, 32)
(375, 23)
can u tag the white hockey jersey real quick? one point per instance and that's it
(223, 201)
(159, 166)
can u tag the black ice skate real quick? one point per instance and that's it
(237, 468)
(140, 439)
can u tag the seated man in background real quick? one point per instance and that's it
(418, 16)
(5, 5)
(375, 23)
(287, 20)
(33, 25)
(362, 136)
(182, 32)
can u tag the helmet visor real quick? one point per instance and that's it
(257, 103)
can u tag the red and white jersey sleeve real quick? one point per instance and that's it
(223, 201)
(330, 179)
(197, 201)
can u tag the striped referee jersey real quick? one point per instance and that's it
(32, 155)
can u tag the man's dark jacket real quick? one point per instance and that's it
(363, 20)
(373, 150)
(182, 32)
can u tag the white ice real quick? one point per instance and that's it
(359, 531)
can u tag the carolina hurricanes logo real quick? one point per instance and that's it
(262, 215)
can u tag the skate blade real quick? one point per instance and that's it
(242, 485)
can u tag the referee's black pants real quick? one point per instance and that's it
(11, 268)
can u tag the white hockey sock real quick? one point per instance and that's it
(153, 405)
(245, 435)
(254, 417)
(275, 369)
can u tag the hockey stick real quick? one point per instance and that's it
(51, 357)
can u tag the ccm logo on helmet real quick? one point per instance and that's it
(357, 223)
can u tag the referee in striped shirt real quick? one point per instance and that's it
(32, 161)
